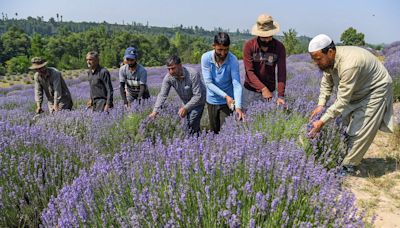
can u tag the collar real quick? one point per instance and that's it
(96, 70)
(182, 77)
(46, 75)
(215, 62)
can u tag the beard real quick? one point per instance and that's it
(132, 65)
(219, 57)
(327, 67)
(265, 44)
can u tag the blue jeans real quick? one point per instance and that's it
(193, 118)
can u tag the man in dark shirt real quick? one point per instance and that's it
(261, 56)
(101, 90)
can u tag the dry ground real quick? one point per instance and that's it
(377, 183)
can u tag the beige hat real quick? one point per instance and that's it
(265, 26)
(37, 63)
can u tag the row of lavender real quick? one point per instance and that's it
(83, 168)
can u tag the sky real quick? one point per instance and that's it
(377, 19)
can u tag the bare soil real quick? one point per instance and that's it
(377, 182)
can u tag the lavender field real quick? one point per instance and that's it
(80, 168)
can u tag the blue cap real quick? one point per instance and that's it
(130, 53)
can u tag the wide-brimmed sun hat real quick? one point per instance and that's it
(37, 63)
(265, 26)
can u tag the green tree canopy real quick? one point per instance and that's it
(15, 43)
(351, 37)
(292, 44)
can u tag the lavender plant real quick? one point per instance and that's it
(34, 165)
(214, 180)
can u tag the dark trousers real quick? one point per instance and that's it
(217, 115)
(98, 105)
(134, 96)
(194, 118)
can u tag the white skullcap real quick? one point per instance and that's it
(319, 42)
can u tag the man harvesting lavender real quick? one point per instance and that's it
(220, 69)
(189, 87)
(364, 95)
(101, 89)
(262, 57)
(132, 78)
(50, 80)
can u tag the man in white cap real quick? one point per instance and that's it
(262, 56)
(50, 81)
(364, 95)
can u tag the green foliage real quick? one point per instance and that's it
(351, 37)
(328, 147)
(2, 70)
(292, 44)
(279, 124)
(396, 89)
(124, 130)
(14, 43)
(19, 64)
(65, 44)
(37, 45)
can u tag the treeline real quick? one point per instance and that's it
(65, 44)
(47, 28)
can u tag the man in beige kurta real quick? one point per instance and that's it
(364, 94)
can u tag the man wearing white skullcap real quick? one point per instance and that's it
(364, 95)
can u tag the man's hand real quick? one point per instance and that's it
(89, 104)
(266, 93)
(127, 105)
(230, 102)
(240, 114)
(153, 115)
(39, 110)
(280, 101)
(182, 112)
(317, 125)
(317, 110)
(106, 108)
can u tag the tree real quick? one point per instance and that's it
(351, 37)
(15, 43)
(292, 44)
(18, 64)
(37, 45)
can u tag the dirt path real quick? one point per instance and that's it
(377, 183)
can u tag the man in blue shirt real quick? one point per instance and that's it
(220, 69)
